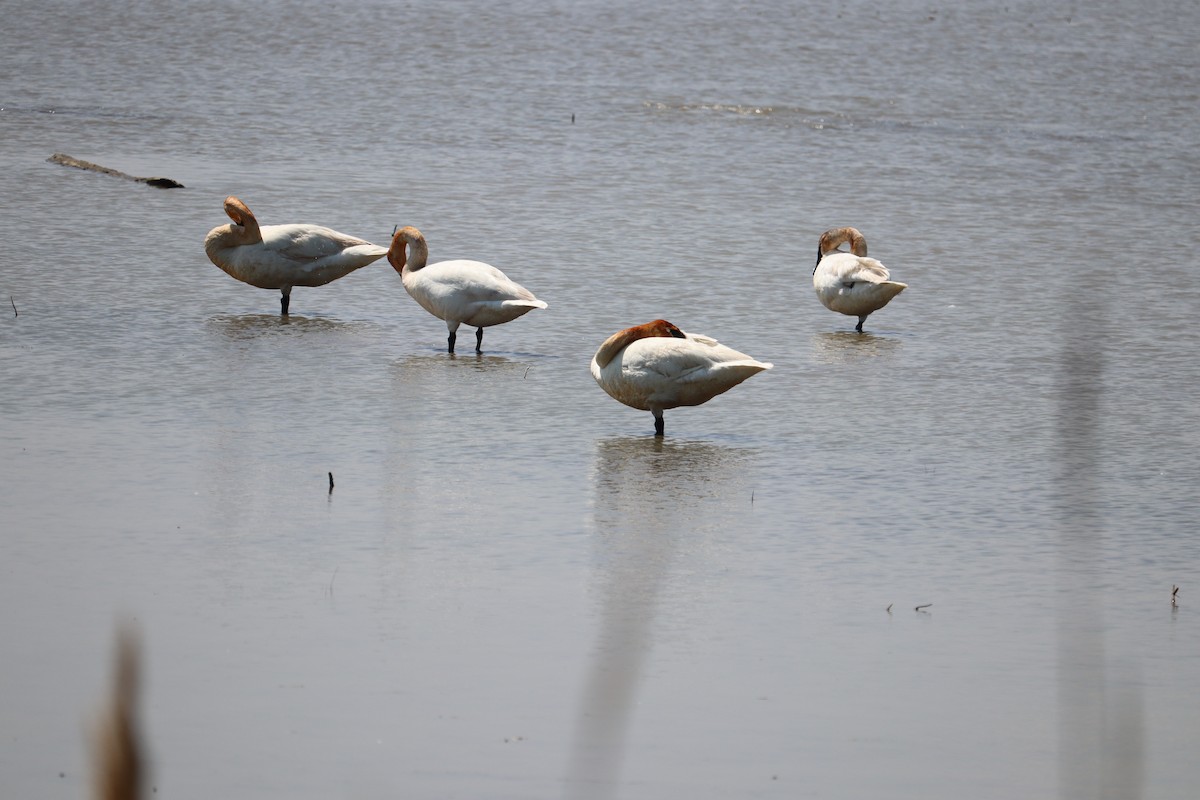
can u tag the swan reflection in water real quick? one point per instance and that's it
(845, 347)
(253, 326)
(447, 366)
(654, 501)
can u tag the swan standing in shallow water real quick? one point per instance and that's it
(657, 366)
(458, 291)
(283, 256)
(850, 283)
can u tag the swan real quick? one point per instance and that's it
(657, 366)
(850, 283)
(458, 291)
(283, 256)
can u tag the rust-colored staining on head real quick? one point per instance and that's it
(614, 344)
(833, 238)
(396, 253)
(660, 327)
(238, 211)
(398, 256)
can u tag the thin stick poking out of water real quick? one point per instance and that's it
(918, 608)
(331, 483)
(14, 305)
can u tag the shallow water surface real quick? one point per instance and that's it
(933, 560)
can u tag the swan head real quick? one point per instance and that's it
(243, 231)
(660, 328)
(397, 254)
(834, 238)
(238, 211)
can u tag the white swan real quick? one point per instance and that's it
(283, 256)
(458, 291)
(850, 283)
(657, 366)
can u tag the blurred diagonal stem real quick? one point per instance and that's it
(1100, 750)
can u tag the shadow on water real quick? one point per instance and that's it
(651, 497)
(844, 347)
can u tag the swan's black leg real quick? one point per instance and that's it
(861, 320)
(660, 425)
(479, 340)
(283, 303)
(451, 339)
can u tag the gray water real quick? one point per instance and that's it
(515, 590)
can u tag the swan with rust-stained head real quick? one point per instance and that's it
(850, 283)
(459, 291)
(657, 366)
(283, 256)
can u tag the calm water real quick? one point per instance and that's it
(514, 591)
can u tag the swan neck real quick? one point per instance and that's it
(418, 254)
(226, 237)
(858, 243)
(248, 231)
(831, 240)
(408, 251)
(614, 344)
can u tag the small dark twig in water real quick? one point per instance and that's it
(1174, 592)
(889, 608)
(526, 375)
(14, 305)
(331, 483)
(918, 608)
(333, 578)
(751, 497)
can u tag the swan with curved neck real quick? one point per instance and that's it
(656, 366)
(283, 256)
(459, 291)
(849, 282)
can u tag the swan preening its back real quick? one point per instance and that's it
(460, 291)
(656, 366)
(283, 256)
(850, 283)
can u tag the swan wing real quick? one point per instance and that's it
(854, 285)
(469, 291)
(307, 243)
(845, 269)
(296, 255)
(670, 372)
(480, 282)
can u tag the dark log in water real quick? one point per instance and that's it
(68, 161)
